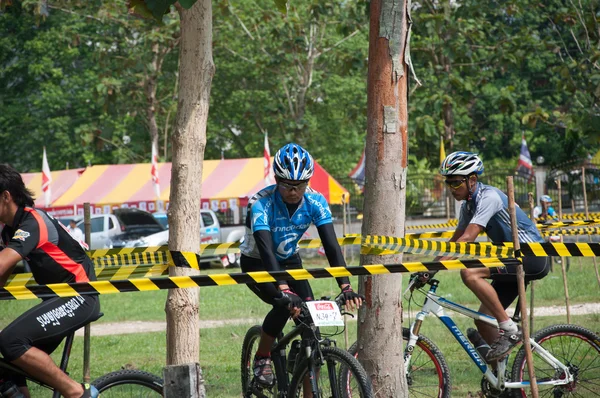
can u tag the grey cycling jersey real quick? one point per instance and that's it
(488, 207)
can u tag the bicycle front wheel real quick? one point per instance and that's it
(340, 374)
(428, 374)
(577, 348)
(129, 383)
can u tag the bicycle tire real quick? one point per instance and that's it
(346, 361)
(566, 343)
(249, 347)
(419, 369)
(129, 383)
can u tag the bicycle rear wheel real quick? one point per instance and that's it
(428, 375)
(340, 374)
(129, 383)
(577, 348)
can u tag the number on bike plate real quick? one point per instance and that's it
(325, 313)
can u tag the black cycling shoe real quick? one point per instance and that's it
(505, 342)
(263, 372)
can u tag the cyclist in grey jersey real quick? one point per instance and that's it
(485, 209)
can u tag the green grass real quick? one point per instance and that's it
(220, 347)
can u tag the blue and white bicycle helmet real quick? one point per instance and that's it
(461, 164)
(546, 198)
(293, 162)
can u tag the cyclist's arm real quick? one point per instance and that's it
(8, 259)
(333, 250)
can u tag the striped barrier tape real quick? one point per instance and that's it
(450, 224)
(573, 231)
(573, 223)
(574, 216)
(557, 249)
(147, 284)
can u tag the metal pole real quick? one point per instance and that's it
(86, 330)
(563, 261)
(531, 289)
(521, 284)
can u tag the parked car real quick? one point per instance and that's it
(129, 223)
(162, 219)
(210, 232)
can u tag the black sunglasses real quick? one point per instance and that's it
(289, 187)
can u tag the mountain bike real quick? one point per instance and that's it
(121, 383)
(316, 365)
(566, 357)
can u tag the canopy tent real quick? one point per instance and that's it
(61, 181)
(222, 180)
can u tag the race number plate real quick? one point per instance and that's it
(325, 313)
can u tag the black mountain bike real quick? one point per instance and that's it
(122, 383)
(315, 364)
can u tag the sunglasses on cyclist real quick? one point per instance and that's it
(455, 184)
(289, 187)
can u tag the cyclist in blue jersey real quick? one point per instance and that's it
(485, 209)
(277, 218)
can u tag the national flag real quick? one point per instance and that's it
(268, 172)
(525, 165)
(46, 180)
(154, 171)
(442, 150)
(358, 173)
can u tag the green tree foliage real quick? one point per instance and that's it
(75, 81)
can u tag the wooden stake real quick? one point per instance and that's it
(87, 226)
(521, 284)
(587, 217)
(344, 231)
(531, 293)
(563, 262)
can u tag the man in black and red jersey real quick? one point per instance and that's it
(54, 257)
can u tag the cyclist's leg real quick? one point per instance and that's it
(44, 326)
(475, 280)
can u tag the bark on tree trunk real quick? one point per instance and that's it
(380, 322)
(189, 141)
(150, 90)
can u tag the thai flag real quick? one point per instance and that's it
(46, 180)
(525, 165)
(154, 171)
(358, 173)
(268, 174)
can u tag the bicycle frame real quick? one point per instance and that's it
(435, 305)
(64, 362)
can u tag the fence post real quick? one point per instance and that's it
(521, 285)
(87, 226)
(563, 260)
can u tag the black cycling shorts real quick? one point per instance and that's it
(277, 318)
(47, 324)
(504, 279)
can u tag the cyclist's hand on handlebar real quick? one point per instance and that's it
(351, 299)
(289, 300)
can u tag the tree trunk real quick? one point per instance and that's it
(380, 322)
(150, 90)
(189, 141)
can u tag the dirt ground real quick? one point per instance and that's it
(105, 329)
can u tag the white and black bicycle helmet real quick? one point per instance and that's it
(292, 162)
(461, 164)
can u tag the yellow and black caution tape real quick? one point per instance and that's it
(450, 224)
(103, 273)
(382, 245)
(573, 223)
(557, 249)
(574, 216)
(572, 231)
(146, 284)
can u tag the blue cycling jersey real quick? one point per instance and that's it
(488, 208)
(267, 211)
